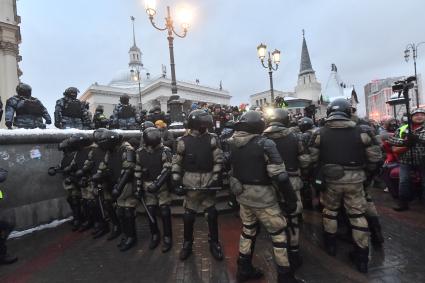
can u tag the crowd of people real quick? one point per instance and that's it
(273, 164)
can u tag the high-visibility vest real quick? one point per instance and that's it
(403, 129)
(1, 194)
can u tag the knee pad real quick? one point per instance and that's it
(165, 210)
(211, 212)
(250, 231)
(129, 212)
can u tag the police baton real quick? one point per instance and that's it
(142, 200)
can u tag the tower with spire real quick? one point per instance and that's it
(135, 53)
(307, 87)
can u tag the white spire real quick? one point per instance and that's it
(134, 52)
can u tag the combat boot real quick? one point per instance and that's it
(285, 275)
(295, 259)
(215, 247)
(116, 220)
(376, 236)
(246, 271)
(402, 205)
(167, 241)
(330, 243)
(5, 258)
(188, 221)
(360, 257)
(129, 230)
(155, 237)
(87, 212)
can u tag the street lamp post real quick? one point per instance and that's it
(169, 27)
(274, 57)
(414, 48)
(137, 77)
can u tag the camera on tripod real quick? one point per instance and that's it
(404, 85)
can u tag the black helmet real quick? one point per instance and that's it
(199, 120)
(305, 124)
(23, 90)
(125, 99)
(147, 124)
(156, 109)
(278, 115)
(97, 134)
(108, 139)
(152, 137)
(339, 109)
(251, 122)
(71, 92)
(99, 109)
(79, 140)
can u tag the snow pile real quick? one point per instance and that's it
(53, 224)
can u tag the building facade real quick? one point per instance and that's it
(379, 92)
(10, 38)
(146, 91)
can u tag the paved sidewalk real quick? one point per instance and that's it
(59, 255)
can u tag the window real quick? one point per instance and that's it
(265, 100)
(256, 102)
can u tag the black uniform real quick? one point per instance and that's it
(24, 111)
(71, 112)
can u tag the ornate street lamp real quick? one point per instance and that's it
(414, 48)
(150, 7)
(273, 58)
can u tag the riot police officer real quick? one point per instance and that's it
(153, 169)
(125, 116)
(69, 111)
(119, 165)
(196, 173)
(254, 158)
(345, 153)
(99, 119)
(292, 152)
(25, 111)
(156, 114)
(5, 229)
(78, 177)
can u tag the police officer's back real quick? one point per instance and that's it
(69, 111)
(25, 111)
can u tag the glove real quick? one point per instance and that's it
(288, 207)
(179, 190)
(153, 188)
(9, 124)
(217, 181)
(115, 192)
(48, 122)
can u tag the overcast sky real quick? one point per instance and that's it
(79, 42)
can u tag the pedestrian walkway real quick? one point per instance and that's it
(59, 255)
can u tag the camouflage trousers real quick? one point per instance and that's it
(370, 205)
(127, 197)
(198, 199)
(353, 197)
(162, 197)
(293, 219)
(275, 224)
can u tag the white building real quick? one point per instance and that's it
(153, 91)
(10, 38)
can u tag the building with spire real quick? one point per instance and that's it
(10, 38)
(147, 91)
(307, 91)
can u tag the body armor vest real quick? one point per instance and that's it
(288, 150)
(198, 155)
(249, 164)
(152, 163)
(341, 146)
(126, 112)
(81, 157)
(29, 107)
(115, 164)
(73, 109)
